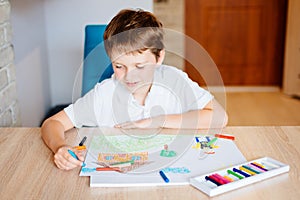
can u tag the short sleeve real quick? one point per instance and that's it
(191, 95)
(82, 112)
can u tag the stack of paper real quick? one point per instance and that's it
(180, 157)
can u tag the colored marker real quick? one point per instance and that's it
(241, 172)
(256, 168)
(216, 179)
(235, 174)
(207, 138)
(212, 141)
(249, 167)
(108, 169)
(163, 175)
(74, 156)
(228, 178)
(212, 180)
(242, 168)
(259, 166)
(225, 136)
(122, 164)
(82, 141)
(197, 139)
(117, 163)
(221, 179)
(83, 147)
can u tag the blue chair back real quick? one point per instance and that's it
(96, 65)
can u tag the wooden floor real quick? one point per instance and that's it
(262, 108)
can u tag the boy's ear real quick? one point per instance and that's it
(161, 57)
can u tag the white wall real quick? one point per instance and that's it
(30, 47)
(65, 21)
(48, 41)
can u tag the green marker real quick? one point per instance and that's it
(125, 162)
(234, 174)
(212, 141)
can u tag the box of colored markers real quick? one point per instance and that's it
(238, 176)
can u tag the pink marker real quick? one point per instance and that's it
(221, 178)
(255, 167)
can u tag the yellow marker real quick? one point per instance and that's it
(259, 164)
(80, 147)
(197, 146)
(247, 170)
(228, 178)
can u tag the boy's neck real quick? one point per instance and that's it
(141, 94)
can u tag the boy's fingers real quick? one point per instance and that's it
(128, 125)
(64, 160)
(80, 154)
(64, 165)
(124, 125)
(72, 160)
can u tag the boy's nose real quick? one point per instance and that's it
(130, 73)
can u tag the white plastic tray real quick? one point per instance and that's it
(211, 189)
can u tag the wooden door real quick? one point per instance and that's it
(245, 38)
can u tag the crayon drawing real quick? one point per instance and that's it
(124, 143)
(187, 161)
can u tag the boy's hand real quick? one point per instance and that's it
(64, 160)
(153, 122)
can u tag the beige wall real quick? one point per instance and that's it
(171, 13)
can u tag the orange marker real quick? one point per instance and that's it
(228, 178)
(80, 147)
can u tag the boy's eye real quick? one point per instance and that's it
(118, 66)
(140, 66)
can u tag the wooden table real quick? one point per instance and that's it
(27, 170)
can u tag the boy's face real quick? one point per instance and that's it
(135, 70)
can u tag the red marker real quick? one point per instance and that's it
(108, 169)
(225, 136)
(220, 182)
(221, 178)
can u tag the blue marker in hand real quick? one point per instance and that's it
(74, 156)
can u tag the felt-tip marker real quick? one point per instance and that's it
(82, 141)
(225, 136)
(74, 156)
(163, 175)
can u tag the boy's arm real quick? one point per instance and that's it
(211, 116)
(53, 134)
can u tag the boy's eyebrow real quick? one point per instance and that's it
(142, 63)
(138, 63)
(117, 63)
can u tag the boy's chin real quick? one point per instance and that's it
(137, 89)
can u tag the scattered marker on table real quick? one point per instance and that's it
(212, 141)
(163, 175)
(225, 136)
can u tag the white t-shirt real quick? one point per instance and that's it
(110, 103)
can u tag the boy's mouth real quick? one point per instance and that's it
(131, 84)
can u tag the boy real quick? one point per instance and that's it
(142, 93)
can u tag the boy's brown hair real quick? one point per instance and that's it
(132, 31)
